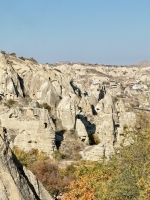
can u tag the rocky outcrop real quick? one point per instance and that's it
(16, 182)
(32, 128)
(104, 124)
(46, 133)
(66, 111)
(81, 131)
(86, 100)
(10, 87)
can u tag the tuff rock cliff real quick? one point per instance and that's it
(88, 103)
(16, 182)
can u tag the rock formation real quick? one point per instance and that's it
(90, 101)
(16, 182)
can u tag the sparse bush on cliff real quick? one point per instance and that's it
(58, 155)
(10, 103)
(13, 54)
(94, 139)
(51, 177)
(29, 158)
(33, 60)
(44, 169)
(3, 52)
(45, 106)
(22, 58)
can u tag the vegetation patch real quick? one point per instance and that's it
(58, 155)
(10, 103)
(126, 176)
(45, 106)
(29, 158)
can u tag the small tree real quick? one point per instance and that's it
(45, 106)
(3, 52)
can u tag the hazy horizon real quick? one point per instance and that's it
(98, 31)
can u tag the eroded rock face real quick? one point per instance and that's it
(66, 111)
(104, 123)
(16, 182)
(84, 99)
(81, 131)
(32, 128)
(46, 133)
(9, 80)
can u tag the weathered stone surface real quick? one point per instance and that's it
(93, 152)
(34, 129)
(66, 111)
(83, 98)
(46, 133)
(81, 131)
(16, 182)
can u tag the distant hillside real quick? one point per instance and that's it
(143, 63)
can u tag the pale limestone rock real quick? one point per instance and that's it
(104, 127)
(93, 100)
(129, 140)
(57, 88)
(75, 98)
(86, 107)
(143, 79)
(9, 80)
(34, 104)
(46, 133)
(43, 89)
(25, 141)
(94, 90)
(81, 131)
(120, 106)
(51, 98)
(9, 84)
(40, 190)
(129, 119)
(93, 153)
(52, 85)
(19, 65)
(16, 182)
(66, 111)
(127, 91)
(2, 61)
(34, 128)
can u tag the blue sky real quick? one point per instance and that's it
(94, 31)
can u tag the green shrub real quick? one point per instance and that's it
(29, 158)
(12, 54)
(3, 52)
(94, 139)
(58, 155)
(11, 102)
(22, 58)
(33, 60)
(45, 106)
(125, 127)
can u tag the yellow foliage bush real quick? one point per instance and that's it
(29, 158)
(80, 190)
